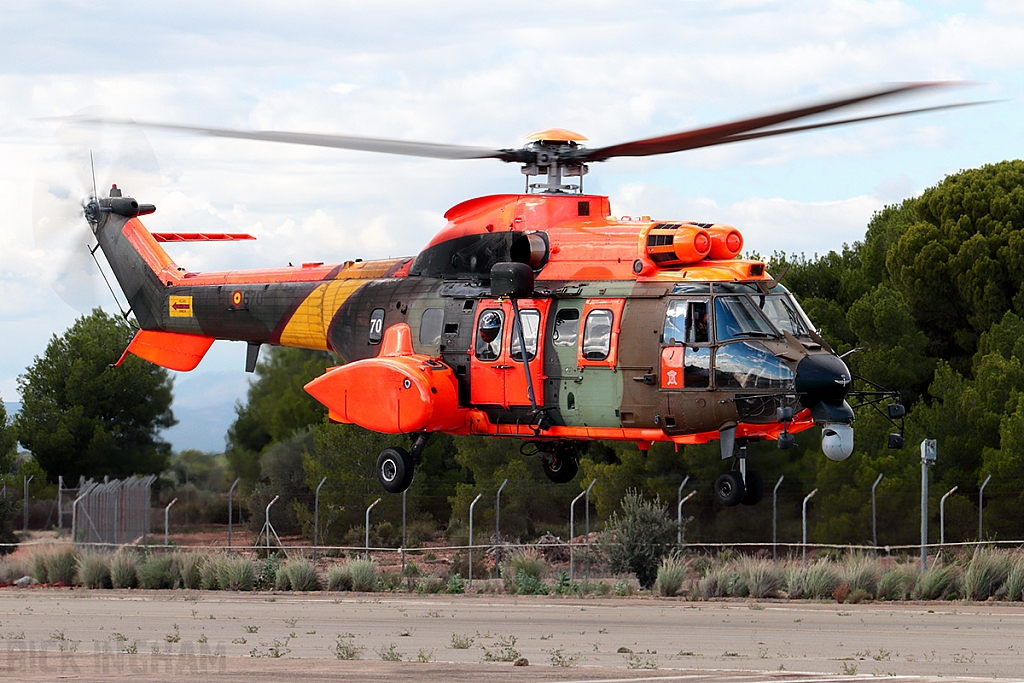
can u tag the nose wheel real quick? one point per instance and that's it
(396, 466)
(739, 485)
(395, 469)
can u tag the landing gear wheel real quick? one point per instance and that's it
(729, 489)
(560, 467)
(394, 469)
(754, 489)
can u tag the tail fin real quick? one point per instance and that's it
(139, 263)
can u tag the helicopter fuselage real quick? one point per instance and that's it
(634, 329)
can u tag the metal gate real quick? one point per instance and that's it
(114, 512)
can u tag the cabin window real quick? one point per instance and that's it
(376, 325)
(686, 322)
(531, 329)
(749, 365)
(597, 334)
(430, 326)
(488, 334)
(567, 327)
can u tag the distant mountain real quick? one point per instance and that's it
(12, 407)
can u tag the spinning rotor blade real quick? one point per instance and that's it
(386, 146)
(64, 185)
(737, 131)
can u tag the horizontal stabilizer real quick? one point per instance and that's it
(171, 350)
(201, 236)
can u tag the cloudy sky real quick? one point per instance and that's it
(464, 73)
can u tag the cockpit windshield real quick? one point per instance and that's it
(737, 317)
(784, 312)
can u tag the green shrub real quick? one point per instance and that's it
(759, 577)
(190, 570)
(266, 573)
(236, 573)
(566, 586)
(94, 569)
(365, 575)
(455, 586)
(1015, 579)
(897, 583)
(61, 565)
(528, 563)
(671, 574)
(820, 580)
(636, 540)
(123, 569)
(13, 569)
(302, 576)
(431, 583)
(8, 541)
(339, 578)
(717, 582)
(40, 565)
(158, 572)
(938, 583)
(209, 573)
(862, 573)
(986, 574)
(282, 582)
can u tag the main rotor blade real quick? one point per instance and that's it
(403, 147)
(842, 122)
(731, 132)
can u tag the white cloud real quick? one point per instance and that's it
(476, 74)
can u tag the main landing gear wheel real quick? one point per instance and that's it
(729, 489)
(560, 467)
(395, 469)
(754, 489)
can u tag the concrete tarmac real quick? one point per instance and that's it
(47, 634)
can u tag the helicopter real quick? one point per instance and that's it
(538, 315)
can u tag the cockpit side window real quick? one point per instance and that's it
(738, 317)
(686, 322)
(531, 330)
(488, 334)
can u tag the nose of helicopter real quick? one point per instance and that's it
(822, 377)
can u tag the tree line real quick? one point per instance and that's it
(930, 303)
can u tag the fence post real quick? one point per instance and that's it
(266, 524)
(807, 498)
(167, 515)
(405, 537)
(471, 536)
(981, 496)
(942, 515)
(775, 518)
(572, 530)
(24, 502)
(231, 491)
(874, 518)
(316, 517)
(60, 503)
(586, 545)
(74, 518)
(497, 513)
(368, 527)
(679, 511)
